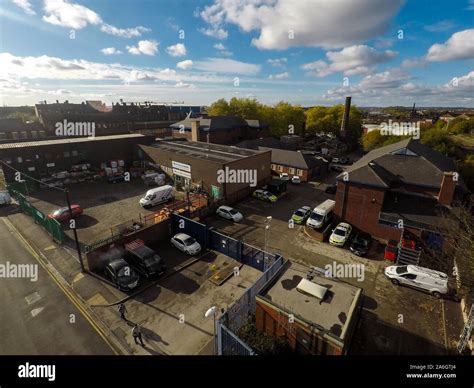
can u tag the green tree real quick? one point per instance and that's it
(219, 108)
(372, 140)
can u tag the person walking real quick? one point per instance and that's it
(122, 310)
(137, 334)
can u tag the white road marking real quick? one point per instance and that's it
(32, 298)
(36, 311)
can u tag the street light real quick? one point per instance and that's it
(212, 312)
(267, 232)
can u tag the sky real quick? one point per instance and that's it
(308, 52)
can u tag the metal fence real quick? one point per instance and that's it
(52, 226)
(224, 244)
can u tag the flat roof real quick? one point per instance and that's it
(208, 151)
(332, 314)
(72, 140)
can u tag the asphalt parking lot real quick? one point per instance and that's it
(171, 310)
(105, 205)
(394, 320)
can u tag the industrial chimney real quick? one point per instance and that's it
(345, 117)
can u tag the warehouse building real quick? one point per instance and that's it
(41, 159)
(221, 171)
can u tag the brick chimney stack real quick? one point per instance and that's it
(345, 117)
(448, 186)
(195, 130)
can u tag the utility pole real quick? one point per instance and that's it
(78, 248)
(466, 333)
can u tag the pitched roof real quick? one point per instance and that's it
(291, 158)
(216, 123)
(407, 161)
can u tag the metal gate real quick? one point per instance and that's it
(253, 256)
(225, 244)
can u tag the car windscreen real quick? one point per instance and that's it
(299, 213)
(340, 232)
(189, 241)
(151, 261)
(402, 269)
(317, 217)
(233, 212)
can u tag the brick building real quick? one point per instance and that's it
(191, 163)
(227, 130)
(406, 181)
(312, 326)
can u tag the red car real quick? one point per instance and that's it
(62, 214)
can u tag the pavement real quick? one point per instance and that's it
(38, 317)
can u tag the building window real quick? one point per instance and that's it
(75, 153)
(24, 134)
(15, 135)
(19, 159)
(3, 135)
(66, 154)
(273, 166)
(280, 168)
(299, 172)
(292, 170)
(31, 169)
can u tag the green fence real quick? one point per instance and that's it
(52, 226)
(100, 243)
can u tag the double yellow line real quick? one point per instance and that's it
(73, 298)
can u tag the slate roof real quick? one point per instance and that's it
(216, 123)
(291, 158)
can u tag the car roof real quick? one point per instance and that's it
(117, 263)
(343, 225)
(224, 207)
(181, 235)
(426, 271)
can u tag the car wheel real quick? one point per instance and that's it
(436, 294)
(395, 281)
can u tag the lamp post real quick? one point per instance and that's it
(212, 312)
(267, 232)
(78, 248)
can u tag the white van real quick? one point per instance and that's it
(425, 279)
(156, 196)
(5, 198)
(321, 214)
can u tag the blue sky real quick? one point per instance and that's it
(307, 51)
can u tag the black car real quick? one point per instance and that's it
(331, 189)
(116, 178)
(145, 261)
(360, 244)
(337, 168)
(122, 275)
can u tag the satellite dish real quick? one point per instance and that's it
(211, 312)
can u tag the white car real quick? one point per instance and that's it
(186, 243)
(425, 279)
(295, 179)
(341, 234)
(284, 176)
(229, 213)
(335, 160)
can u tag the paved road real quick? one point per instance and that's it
(36, 317)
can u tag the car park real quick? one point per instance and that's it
(296, 180)
(301, 215)
(424, 279)
(229, 213)
(264, 195)
(360, 244)
(122, 275)
(284, 176)
(340, 235)
(186, 243)
(144, 259)
(63, 214)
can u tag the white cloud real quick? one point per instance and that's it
(325, 24)
(145, 47)
(110, 51)
(223, 50)
(124, 32)
(278, 62)
(444, 25)
(177, 50)
(218, 33)
(283, 75)
(221, 65)
(184, 65)
(26, 6)
(354, 60)
(64, 14)
(181, 84)
(459, 46)
(219, 46)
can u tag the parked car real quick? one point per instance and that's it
(5, 198)
(344, 160)
(301, 215)
(122, 275)
(229, 213)
(62, 214)
(331, 189)
(336, 168)
(296, 180)
(284, 176)
(335, 160)
(391, 250)
(186, 243)
(264, 195)
(116, 178)
(424, 279)
(340, 235)
(144, 259)
(360, 244)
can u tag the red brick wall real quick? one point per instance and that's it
(361, 212)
